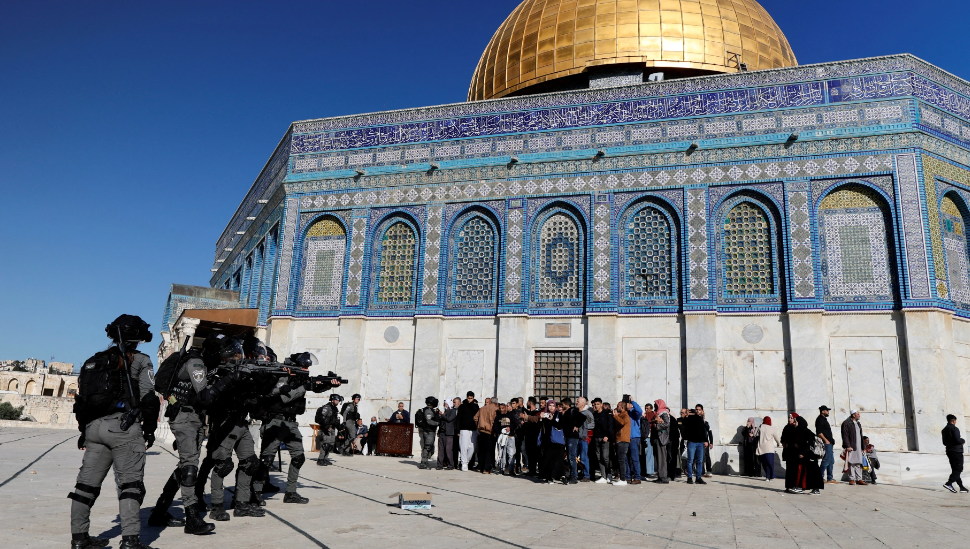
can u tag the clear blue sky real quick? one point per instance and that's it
(130, 131)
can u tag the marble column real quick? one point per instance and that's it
(512, 378)
(603, 365)
(350, 348)
(934, 376)
(428, 368)
(703, 374)
(809, 367)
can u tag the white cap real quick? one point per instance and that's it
(853, 412)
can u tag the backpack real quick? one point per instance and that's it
(318, 419)
(165, 376)
(101, 385)
(421, 419)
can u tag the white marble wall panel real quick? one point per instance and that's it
(651, 369)
(469, 360)
(961, 344)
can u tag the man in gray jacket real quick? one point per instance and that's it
(447, 431)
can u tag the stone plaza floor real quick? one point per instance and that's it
(350, 507)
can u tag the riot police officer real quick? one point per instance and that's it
(229, 433)
(286, 401)
(351, 415)
(185, 381)
(427, 420)
(115, 389)
(329, 421)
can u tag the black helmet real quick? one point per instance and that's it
(219, 347)
(431, 401)
(355, 397)
(132, 328)
(336, 397)
(303, 360)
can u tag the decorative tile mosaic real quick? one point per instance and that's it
(747, 260)
(697, 256)
(955, 246)
(913, 227)
(933, 170)
(323, 272)
(881, 182)
(432, 256)
(800, 237)
(286, 255)
(561, 259)
(855, 252)
(514, 251)
(397, 264)
(355, 263)
(602, 249)
(474, 265)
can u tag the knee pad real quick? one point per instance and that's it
(298, 461)
(133, 490)
(190, 474)
(85, 500)
(250, 465)
(223, 467)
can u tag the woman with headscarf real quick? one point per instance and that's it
(767, 443)
(809, 473)
(660, 436)
(749, 447)
(553, 443)
(789, 439)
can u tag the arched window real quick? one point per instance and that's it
(854, 246)
(561, 259)
(748, 262)
(397, 264)
(955, 244)
(29, 388)
(13, 385)
(323, 265)
(473, 262)
(650, 256)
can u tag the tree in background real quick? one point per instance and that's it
(7, 411)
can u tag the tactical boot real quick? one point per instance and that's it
(248, 510)
(196, 526)
(84, 541)
(132, 542)
(293, 497)
(422, 465)
(161, 519)
(219, 515)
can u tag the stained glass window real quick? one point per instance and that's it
(474, 261)
(396, 282)
(560, 259)
(649, 255)
(748, 268)
(955, 244)
(323, 265)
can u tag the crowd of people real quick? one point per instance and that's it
(546, 439)
(592, 441)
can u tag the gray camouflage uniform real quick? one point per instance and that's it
(427, 432)
(285, 430)
(106, 446)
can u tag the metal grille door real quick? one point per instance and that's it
(559, 374)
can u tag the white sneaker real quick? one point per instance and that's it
(602, 480)
(619, 483)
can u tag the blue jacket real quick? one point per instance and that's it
(635, 414)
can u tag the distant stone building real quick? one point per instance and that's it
(46, 397)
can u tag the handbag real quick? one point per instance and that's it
(819, 448)
(865, 462)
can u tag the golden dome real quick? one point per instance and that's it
(543, 40)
